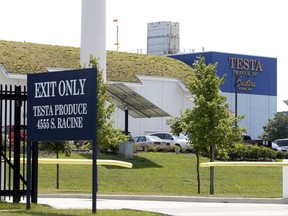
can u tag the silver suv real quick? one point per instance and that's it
(172, 140)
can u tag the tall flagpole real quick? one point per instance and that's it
(117, 32)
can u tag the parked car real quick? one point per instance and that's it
(278, 148)
(172, 140)
(8, 131)
(280, 144)
(144, 140)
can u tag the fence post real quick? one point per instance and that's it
(285, 180)
(17, 122)
(2, 174)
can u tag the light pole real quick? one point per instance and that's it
(236, 97)
(126, 119)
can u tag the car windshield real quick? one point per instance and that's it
(282, 142)
(154, 138)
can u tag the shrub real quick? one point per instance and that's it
(150, 148)
(254, 152)
(177, 149)
(285, 155)
(279, 154)
(137, 147)
(68, 148)
(161, 148)
(241, 151)
(267, 153)
(158, 148)
(236, 152)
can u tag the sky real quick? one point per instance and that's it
(250, 27)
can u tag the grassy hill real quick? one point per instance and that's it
(23, 57)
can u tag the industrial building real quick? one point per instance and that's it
(251, 81)
(250, 86)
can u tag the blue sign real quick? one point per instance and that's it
(62, 105)
(254, 74)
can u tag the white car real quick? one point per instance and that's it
(180, 141)
(144, 140)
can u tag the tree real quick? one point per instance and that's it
(65, 148)
(210, 124)
(58, 148)
(276, 128)
(107, 135)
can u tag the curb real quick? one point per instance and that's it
(172, 198)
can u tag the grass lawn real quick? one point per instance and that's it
(10, 209)
(162, 174)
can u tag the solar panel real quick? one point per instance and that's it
(138, 106)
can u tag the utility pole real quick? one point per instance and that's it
(117, 30)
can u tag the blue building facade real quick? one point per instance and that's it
(254, 78)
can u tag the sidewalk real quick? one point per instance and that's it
(171, 205)
(171, 198)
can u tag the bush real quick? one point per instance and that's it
(252, 152)
(285, 155)
(111, 149)
(236, 152)
(150, 148)
(68, 148)
(137, 147)
(279, 154)
(241, 151)
(158, 148)
(267, 153)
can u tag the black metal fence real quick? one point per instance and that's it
(13, 139)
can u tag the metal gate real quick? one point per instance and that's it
(13, 139)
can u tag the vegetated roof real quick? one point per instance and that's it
(24, 57)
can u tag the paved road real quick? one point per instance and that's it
(178, 206)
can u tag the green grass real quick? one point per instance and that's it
(10, 209)
(162, 174)
(25, 57)
(152, 173)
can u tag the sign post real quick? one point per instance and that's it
(63, 106)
